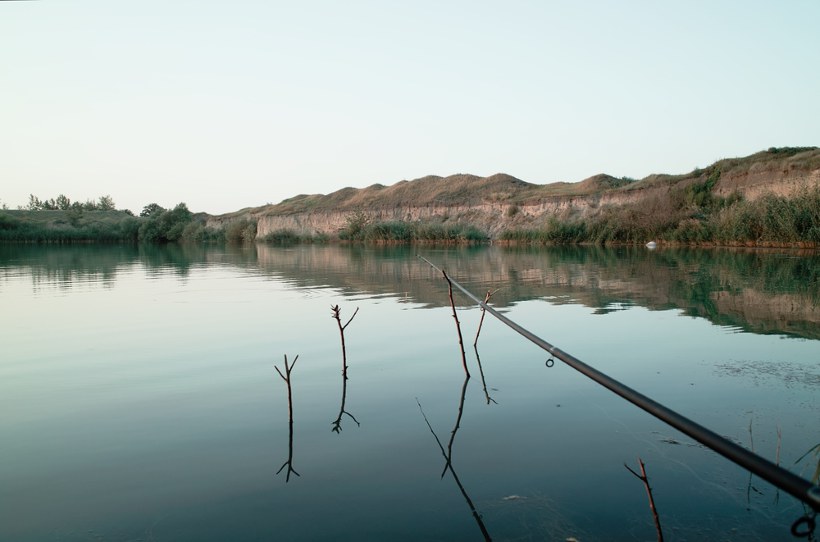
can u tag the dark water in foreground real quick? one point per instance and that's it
(139, 398)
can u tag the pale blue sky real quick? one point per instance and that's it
(225, 105)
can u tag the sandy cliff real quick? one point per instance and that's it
(500, 202)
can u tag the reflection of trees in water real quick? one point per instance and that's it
(762, 291)
(64, 266)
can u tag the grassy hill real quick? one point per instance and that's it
(768, 198)
(466, 190)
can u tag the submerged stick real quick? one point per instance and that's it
(337, 423)
(458, 325)
(645, 479)
(483, 313)
(286, 378)
(337, 316)
(803, 490)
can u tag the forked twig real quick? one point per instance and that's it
(483, 312)
(337, 423)
(645, 479)
(286, 378)
(337, 316)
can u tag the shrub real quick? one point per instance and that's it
(282, 237)
(241, 231)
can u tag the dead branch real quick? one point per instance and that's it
(483, 313)
(287, 379)
(337, 423)
(645, 479)
(337, 316)
(458, 325)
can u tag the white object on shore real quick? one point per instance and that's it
(651, 245)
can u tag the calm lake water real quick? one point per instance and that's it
(139, 396)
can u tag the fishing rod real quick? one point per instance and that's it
(798, 487)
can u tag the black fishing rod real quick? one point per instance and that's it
(798, 487)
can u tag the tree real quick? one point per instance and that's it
(151, 209)
(106, 203)
(163, 226)
(34, 203)
(63, 203)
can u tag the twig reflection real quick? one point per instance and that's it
(337, 423)
(287, 379)
(481, 372)
(448, 453)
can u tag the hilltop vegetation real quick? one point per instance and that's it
(57, 220)
(768, 198)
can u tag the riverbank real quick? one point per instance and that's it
(769, 199)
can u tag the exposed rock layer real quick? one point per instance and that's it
(500, 202)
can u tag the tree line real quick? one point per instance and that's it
(63, 203)
(59, 220)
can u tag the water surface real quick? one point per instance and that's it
(139, 398)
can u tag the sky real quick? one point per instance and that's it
(226, 105)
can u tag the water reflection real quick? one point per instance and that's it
(448, 457)
(759, 291)
(483, 381)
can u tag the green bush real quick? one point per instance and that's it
(241, 231)
(163, 226)
(282, 237)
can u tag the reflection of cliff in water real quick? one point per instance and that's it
(757, 291)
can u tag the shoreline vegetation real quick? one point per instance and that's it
(691, 212)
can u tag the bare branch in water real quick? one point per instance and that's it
(645, 479)
(483, 312)
(337, 423)
(287, 379)
(458, 325)
(337, 316)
